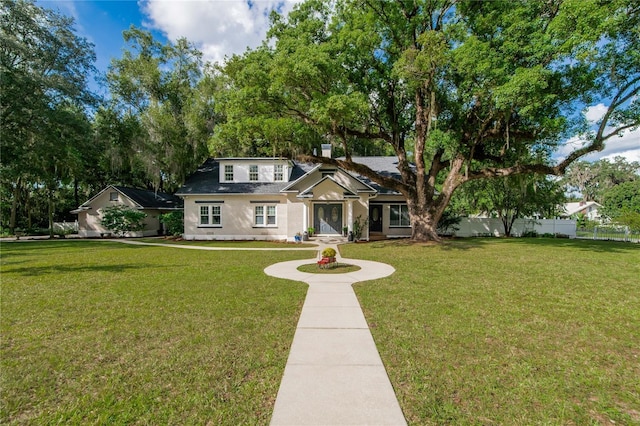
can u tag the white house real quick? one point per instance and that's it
(277, 198)
(588, 208)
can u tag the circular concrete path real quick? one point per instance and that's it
(334, 374)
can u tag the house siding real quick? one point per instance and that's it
(237, 218)
(386, 201)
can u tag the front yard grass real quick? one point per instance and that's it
(105, 333)
(513, 331)
(479, 331)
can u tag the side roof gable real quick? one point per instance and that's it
(309, 191)
(142, 198)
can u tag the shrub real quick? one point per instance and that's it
(174, 222)
(122, 219)
(328, 252)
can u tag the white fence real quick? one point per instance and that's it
(492, 227)
(610, 233)
(66, 227)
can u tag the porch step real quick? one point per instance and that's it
(330, 239)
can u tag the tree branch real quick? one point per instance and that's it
(361, 169)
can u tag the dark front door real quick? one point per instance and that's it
(375, 218)
(327, 218)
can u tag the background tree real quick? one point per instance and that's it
(594, 180)
(43, 99)
(464, 90)
(159, 105)
(622, 204)
(513, 197)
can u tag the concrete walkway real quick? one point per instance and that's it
(334, 374)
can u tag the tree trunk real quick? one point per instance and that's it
(50, 193)
(424, 222)
(14, 207)
(27, 208)
(76, 196)
(507, 222)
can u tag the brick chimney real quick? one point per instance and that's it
(326, 150)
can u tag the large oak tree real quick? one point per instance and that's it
(44, 97)
(457, 90)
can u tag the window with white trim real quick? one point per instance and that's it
(228, 172)
(399, 216)
(278, 173)
(210, 215)
(264, 215)
(253, 173)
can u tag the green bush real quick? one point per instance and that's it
(174, 223)
(122, 219)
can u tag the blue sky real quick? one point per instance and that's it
(221, 28)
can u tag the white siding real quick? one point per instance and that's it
(237, 218)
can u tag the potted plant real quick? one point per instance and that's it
(329, 254)
(311, 230)
(345, 230)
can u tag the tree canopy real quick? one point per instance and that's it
(44, 67)
(458, 91)
(161, 102)
(594, 180)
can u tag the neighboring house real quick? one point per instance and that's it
(277, 198)
(152, 203)
(587, 208)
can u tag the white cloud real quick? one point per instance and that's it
(218, 28)
(595, 113)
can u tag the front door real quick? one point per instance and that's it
(327, 218)
(375, 218)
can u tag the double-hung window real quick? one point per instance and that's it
(399, 216)
(210, 215)
(253, 173)
(228, 172)
(278, 173)
(265, 215)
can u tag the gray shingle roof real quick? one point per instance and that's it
(206, 180)
(386, 166)
(150, 199)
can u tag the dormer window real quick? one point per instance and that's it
(278, 173)
(228, 172)
(253, 173)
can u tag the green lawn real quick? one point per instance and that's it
(107, 333)
(517, 331)
(479, 331)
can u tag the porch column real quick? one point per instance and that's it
(350, 215)
(305, 215)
